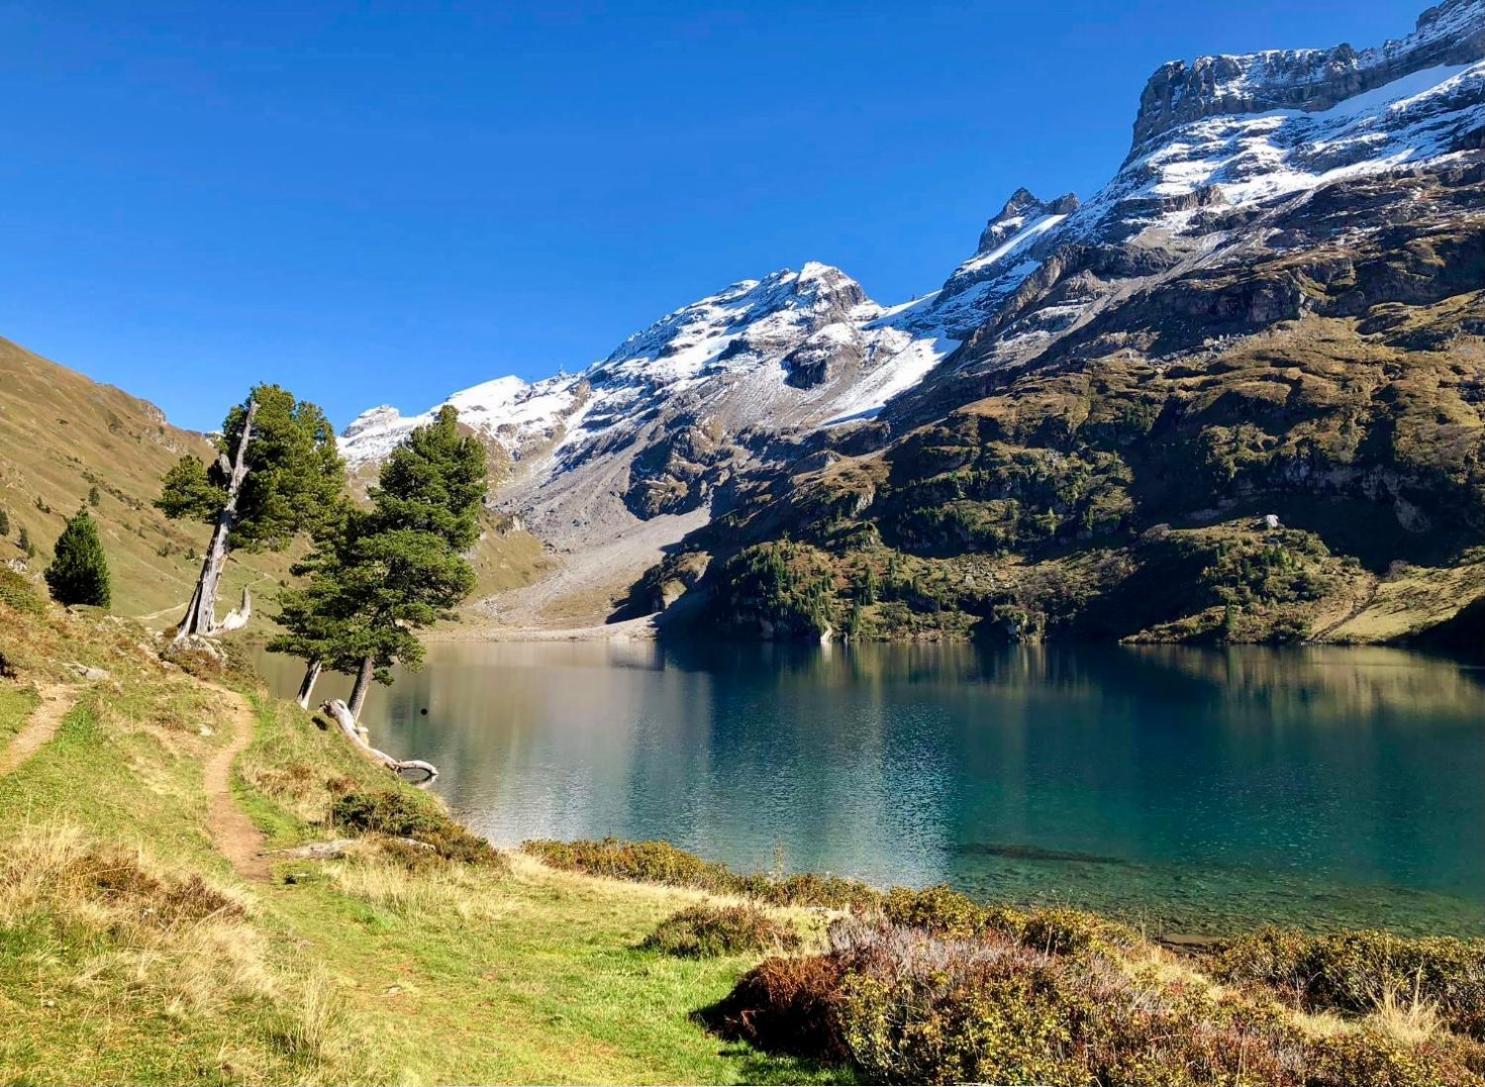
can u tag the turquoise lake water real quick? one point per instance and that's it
(1193, 790)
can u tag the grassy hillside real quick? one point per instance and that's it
(62, 435)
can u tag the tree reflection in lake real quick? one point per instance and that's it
(1197, 788)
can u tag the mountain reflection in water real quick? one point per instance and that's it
(1197, 789)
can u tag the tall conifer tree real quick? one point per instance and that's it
(78, 573)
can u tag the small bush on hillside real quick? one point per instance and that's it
(1355, 971)
(78, 573)
(4, 522)
(661, 862)
(198, 659)
(400, 814)
(1051, 930)
(785, 1005)
(18, 593)
(704, 932)
(115, 879)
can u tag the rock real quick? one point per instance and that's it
(319, 851)
(1271, 521)
(87, 673)
(1304, 79)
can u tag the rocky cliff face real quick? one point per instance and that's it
(1274, 309)
(1274, 303)
(1453, 33)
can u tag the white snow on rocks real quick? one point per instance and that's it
(809, 348)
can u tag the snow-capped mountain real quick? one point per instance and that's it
(765, 370)
(652, 429)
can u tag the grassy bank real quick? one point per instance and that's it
(130, 951)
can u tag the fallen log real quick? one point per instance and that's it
(414, 771)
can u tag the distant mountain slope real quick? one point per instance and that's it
(61, 435)
(1294, 198)
(1275, 308)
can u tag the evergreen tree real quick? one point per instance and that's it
(24, 542)
(409, 570)
(4, 523)
(94, 498)
(277, 475)
(379, 575)
(78, 573)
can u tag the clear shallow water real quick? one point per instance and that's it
(1194, 789)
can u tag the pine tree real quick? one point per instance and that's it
(23, 541)
(4, 523)
(407, 569)
(379, 575)
(94, 498)
(78, 573)
(277, 475)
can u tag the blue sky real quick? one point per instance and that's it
(386, 202)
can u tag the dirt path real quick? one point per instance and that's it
(232, 831)
(56, 700)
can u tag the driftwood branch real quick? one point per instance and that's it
(238, 617)
(416, 771)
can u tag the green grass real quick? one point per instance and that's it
(16, 704)
(377, 967)
(530, 975)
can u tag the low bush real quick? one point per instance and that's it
(1052, 930)
(116, 879)
(785, 1005)
(703, 932)
(16, 591)
(661, 862)
(906, 1005)
(402, 814)
(1373, 1058)
(1356, 971)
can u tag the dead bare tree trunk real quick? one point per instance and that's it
(307, 685)
(200, 617)
(416, 771)
(362, 688)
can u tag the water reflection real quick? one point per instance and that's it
(1195, 787)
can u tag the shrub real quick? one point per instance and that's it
(197, 657)
(78, 573)
(401, 814)
(117, 880)
(1353, 971)
(934, 909)
(916, 1009)
(18, 593)
(661, 862)
(704, 932)
(1051, 930)
(785, 1006)
(1372, 1058)
(4, 522)
(904, 1005)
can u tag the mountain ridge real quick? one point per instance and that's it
(1234, 161)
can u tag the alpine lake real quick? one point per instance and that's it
(1189, 790)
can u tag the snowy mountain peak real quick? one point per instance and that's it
(1311, 80)
(1021, 208)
